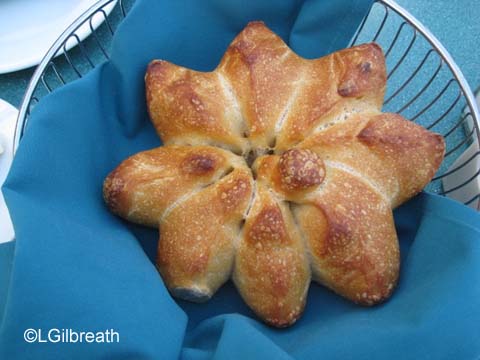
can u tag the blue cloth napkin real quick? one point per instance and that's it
(78, 267)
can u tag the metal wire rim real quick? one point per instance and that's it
(389, 5)
(46, 61)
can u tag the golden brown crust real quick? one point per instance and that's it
(397, 156)
(363, 73)
(196, 247)
(333, 88)
(146, 184)
(293, 174)
(191, 107)
(273, 96)
(351, 236)
(263, 72)
(414, 153)
(329, 168)
(271, 269)
(339, 143)
(300, 169)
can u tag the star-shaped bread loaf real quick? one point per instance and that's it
(276, 170)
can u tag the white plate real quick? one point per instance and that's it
(28, 28)
(8, 116)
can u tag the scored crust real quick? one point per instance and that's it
(276, 170)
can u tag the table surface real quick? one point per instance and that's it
(455, 23)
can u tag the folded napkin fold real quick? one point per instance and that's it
(76, 266)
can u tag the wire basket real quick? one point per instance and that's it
(424, 83)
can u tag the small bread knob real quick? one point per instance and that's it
(300, 169)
